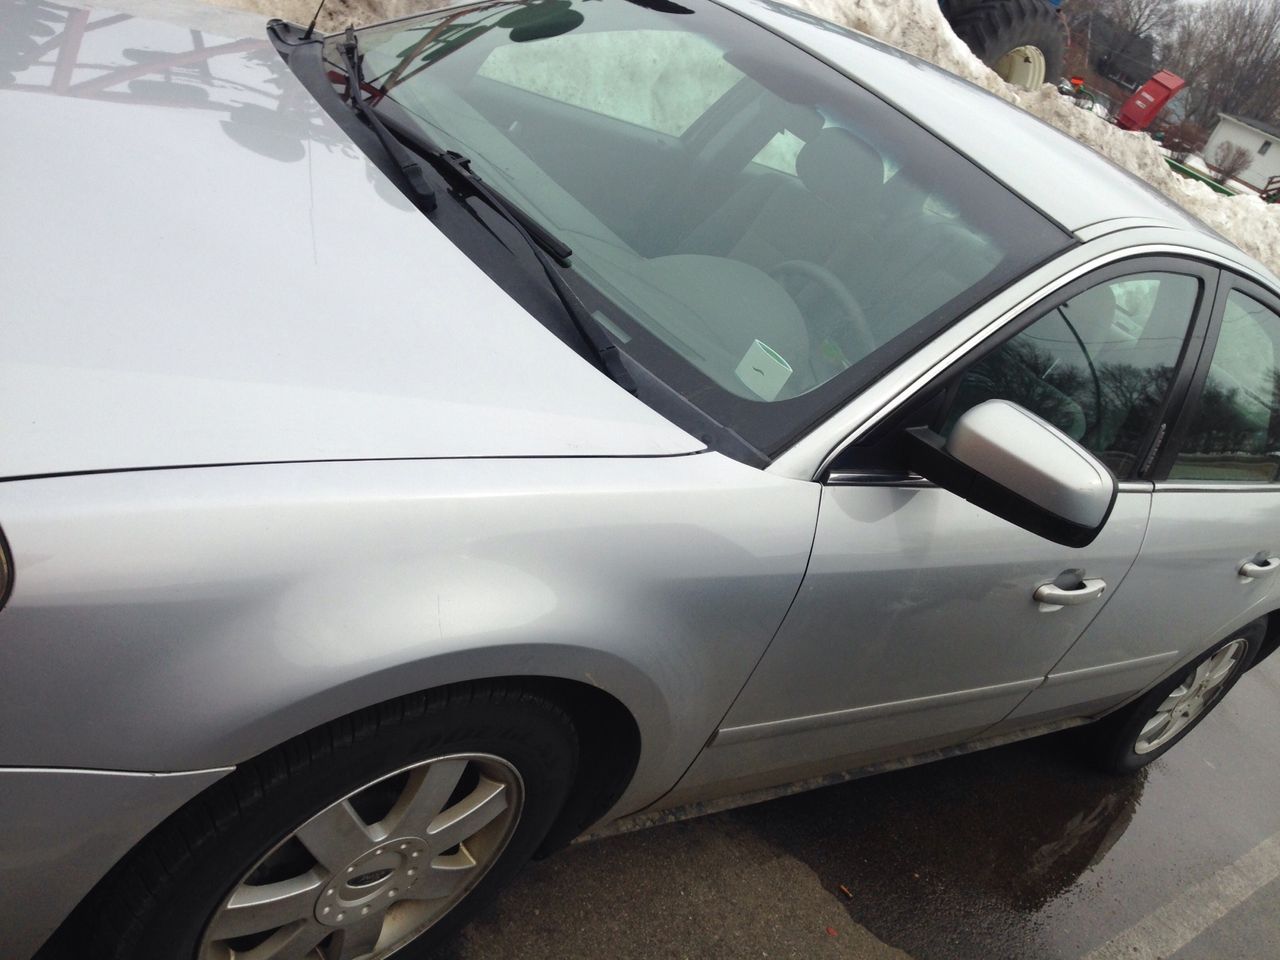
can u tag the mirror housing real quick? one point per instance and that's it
(1011, 463)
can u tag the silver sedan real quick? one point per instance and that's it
(424, 444)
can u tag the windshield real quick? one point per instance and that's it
(750, 225)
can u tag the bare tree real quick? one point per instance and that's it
(1229, 52)
(1230, 160)
(1141, 17)
(1183, 139)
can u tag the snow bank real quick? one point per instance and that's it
(918, 27)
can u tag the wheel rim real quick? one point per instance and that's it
(437, 828)
(1023, 67)
(1187, 702)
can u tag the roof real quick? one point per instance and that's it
(1071, 183)
(1261, 126)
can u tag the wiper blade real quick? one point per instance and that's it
(550, 252)
(392, 136)
(459, 167)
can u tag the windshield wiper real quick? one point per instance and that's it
(410, 166)
(550, 252)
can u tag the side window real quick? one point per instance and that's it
(661, 80)
(1235, 424)
(1098, 367)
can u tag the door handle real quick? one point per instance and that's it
(1259, 567)
(1052, 597)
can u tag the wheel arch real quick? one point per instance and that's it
(1270, 641)
(609, 751)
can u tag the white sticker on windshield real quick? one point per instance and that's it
(764, 371)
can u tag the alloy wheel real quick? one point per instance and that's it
(1197, 692)
(372, 871)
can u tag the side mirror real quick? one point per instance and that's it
(1011, 463)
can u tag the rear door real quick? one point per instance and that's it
(1211, 558)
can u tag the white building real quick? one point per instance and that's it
(1261, 140)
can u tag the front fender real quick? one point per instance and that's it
(191, 618)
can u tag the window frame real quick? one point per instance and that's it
(864, 460)
(1199, 375)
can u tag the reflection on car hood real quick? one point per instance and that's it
(201, 268)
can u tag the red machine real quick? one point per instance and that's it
(1145, 105)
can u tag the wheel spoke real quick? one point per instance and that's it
(357, 940)
(1154, 726)
(1173, 700)
(469, 815)
(422, 799)
(336, 836)
(257, 908)
(1220, 667)
(298, 942)
(1179, 724)
(1202, 671)
(444, 876)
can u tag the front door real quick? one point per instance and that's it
(916, 626)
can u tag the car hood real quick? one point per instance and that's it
(200, 267)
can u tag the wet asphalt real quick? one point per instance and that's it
(1018, 852)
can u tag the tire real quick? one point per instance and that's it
(502, 756)
(994, 28)
(1118, 743)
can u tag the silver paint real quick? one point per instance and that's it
(63, 829)
(198, 617)
(228, 295)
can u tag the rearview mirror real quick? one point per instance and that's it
(1011, 463)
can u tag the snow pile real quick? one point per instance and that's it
(918, 27)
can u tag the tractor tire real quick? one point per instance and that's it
(1024, 41)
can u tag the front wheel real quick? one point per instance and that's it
(1133, 737)
(372, 836)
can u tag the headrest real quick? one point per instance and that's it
(1092, 313)
(836, 166)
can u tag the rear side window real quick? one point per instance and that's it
(1235, 426)
(1098, 367)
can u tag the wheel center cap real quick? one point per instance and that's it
(369, 879)
(372, 882)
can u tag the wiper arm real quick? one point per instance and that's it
(458, 167)
(410, 166)
(542, 243)
(455, 163)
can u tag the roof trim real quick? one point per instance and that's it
(1266, 129)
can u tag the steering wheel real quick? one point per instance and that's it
(857, 326)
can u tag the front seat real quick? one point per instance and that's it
(833, 200)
